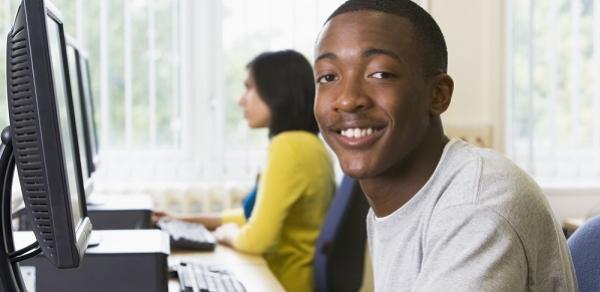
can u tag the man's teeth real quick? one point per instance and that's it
(357, 133)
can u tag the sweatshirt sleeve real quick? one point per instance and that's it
(280, 186)
(234, 216)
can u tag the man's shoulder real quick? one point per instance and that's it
(489, 181)
(486, 178)
(503, 201)
(504, 187)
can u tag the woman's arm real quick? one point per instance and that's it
(211, 221)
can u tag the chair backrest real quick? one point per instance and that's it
(585, 250)
(339, 256)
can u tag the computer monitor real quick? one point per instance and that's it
(90, 113)
(44, 139)
(77, 92)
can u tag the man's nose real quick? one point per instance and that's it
(353, 97)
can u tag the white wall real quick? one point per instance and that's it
(474, 32)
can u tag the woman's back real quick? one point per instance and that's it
(295, 191)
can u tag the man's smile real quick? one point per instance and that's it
(356, 134)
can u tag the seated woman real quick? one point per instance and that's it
(296, 185)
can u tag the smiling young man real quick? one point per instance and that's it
(445, 216)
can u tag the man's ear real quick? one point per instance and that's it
(443, 86)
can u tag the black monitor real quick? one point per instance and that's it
(43, 136)
(91, 129)
(86, 152)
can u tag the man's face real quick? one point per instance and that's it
(372, 101)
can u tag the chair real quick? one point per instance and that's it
(340, 252)
(585, 250)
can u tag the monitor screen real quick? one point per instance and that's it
(79, 113)
(64, 118)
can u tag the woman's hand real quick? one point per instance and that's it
(227, 233)
(157, 215)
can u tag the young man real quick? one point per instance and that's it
(445, 216)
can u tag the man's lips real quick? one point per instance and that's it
(355, 136)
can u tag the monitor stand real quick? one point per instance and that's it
(95, 239)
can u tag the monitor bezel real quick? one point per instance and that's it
(54, 13)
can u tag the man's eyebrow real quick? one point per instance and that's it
(326, 55)
(375, 51)
(366, 54)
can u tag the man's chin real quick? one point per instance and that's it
(356, 170)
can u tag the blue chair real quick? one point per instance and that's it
(340, 251)
(585, 250)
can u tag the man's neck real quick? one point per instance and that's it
(390, 191)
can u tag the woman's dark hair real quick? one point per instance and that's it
(285, 81)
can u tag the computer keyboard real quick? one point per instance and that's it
(188, 235)
(198, 277)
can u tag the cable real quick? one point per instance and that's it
(26, 256)
(24, 250)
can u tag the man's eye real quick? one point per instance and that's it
(382, 75)
(326, 78)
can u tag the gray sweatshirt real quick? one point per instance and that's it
(479, 224)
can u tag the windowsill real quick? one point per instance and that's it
(570, 190)
(568, 201)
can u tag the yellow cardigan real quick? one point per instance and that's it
(294, 192)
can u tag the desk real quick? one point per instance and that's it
(251, 270)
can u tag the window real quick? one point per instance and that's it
(554, 90)
(250, 28)
(8, 10)
(166, 76)
(133, 49)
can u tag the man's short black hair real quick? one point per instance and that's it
(426, 31)
(285, 82)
